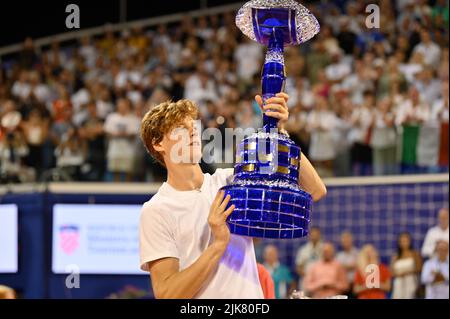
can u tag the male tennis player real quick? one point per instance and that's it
(185, 242)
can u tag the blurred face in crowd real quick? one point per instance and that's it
(328, 252)
(203, 76)
(123, 107)
(34, 78)
(347, 240)
(9, 106)
(271, 254)
(322, 103)
(28, 44)
(314, 235)
(425, 37)
(35, 116)
(414, 95)
(23, 77)
(369, 100)
(404, 241)
(92, 110)
(129, 64)
(384, 105)
(368, 58)
(368, 255)
(427, 74)
(443, 218)
(372, 255)
(402, 42)
(202, 23)
(442, 249)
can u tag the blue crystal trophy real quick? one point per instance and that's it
(268, 200)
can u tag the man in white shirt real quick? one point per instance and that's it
(122, 128)
(436, 233)
(430, 50)
(348, 256)
(435, 273)
(248, 56)
(185, 242)
(338, 69)
(309, 253)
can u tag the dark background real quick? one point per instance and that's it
(19, 19)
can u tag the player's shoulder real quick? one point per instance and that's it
(153, 207)
(222, 175)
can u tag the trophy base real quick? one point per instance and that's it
(267, 211)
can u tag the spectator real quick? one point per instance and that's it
(441, 115)
(122, 128)
(248, 56)
(372, 278)
(92, 131)
(317, 60)
(383, 139)
(200, 88)
(210, 59)
(7, 292)
(436, 233)
(406, 266)
(358, 82)
(347, 257)
(70, 154)
(338, 69)
(326, 277)
(35, 131)
(343, 109)
(13, 149)
(283, 281)
(435, 273)
(430, 50)
(360, 135)
(320, 123)
(428, 84)
(439, 13)
(409, 116)
(346, 37)
(266, 281)
(28, 56)
(309, 253)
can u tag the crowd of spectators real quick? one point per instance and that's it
(362, 100)
(325, 269)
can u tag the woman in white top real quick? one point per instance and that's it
(406, 266)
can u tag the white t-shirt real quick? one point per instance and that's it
(120, 147)
(431, 53)
(175, 224)
(433, 235)
(358, 132)
(322, 144)
(248, 57)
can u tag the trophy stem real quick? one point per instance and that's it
(273, 77)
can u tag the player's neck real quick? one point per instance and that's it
(185, 177)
